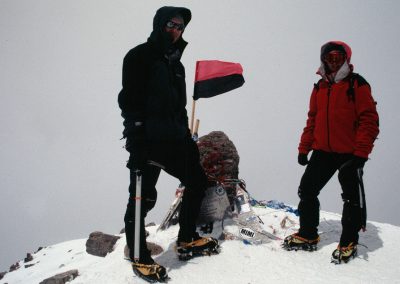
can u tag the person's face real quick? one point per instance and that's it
(174, 28)
(334, 60)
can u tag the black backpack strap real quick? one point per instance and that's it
(360, 82)
(350, 90)
(316, 85)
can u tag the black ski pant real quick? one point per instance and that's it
(181, 160)
(322, 166)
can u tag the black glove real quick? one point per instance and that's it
(358, 162)
(302, 159)
(138, 157)
(136, 146)
(355, 162)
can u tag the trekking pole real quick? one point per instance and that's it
(363, 205)
(138, 220)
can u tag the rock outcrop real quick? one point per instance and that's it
(61, 278)
(218, 156)
(100, 244)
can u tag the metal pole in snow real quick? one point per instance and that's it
(138, 200)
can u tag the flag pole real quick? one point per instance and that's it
(192, 118)
(196, 127)
(195, 134)
(194, 101)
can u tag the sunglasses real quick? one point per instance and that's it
(335, 56)
(173, 25)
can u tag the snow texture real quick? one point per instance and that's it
(238, 262)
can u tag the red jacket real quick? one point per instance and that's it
(337, 123)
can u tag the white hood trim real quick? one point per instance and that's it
(342, 73)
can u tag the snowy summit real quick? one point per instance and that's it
(239, 262)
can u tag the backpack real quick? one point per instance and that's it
(352, 78)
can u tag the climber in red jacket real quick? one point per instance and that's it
(341, 128)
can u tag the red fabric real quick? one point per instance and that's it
(208, 69)
(337, 124)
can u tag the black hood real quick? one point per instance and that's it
(163, 15)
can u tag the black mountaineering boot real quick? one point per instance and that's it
(295, 242)
(344, 253)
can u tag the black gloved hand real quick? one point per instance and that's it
(358, 162)
(138, 157)
(355, 162)
(136, 146)
(302, 159)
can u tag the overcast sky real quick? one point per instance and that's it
(62, 164)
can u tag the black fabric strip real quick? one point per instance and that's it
(216, 86)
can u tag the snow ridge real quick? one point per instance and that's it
(238, 262)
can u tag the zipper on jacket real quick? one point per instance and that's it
(327, 114)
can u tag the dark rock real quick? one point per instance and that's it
(148, 225)
(154, 249)
(2, 274)
(99, 244)
(146, 232)
(28, 257)
(14, 267)
(39, 249)
(29, 265)
(126, 252)
(218, 156)
(61, 278)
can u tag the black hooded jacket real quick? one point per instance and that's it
(153, 84)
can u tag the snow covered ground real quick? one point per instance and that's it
(377, 261)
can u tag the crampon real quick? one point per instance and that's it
(152, 273)
(344, 253)
(295, 242)
(200, 247)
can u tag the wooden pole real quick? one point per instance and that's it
(195, 135)
(196, 127)
(192, 118)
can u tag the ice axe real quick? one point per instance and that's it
(138, 200)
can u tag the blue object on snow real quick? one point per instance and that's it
(275, 204)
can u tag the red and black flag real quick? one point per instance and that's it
(214, 77)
